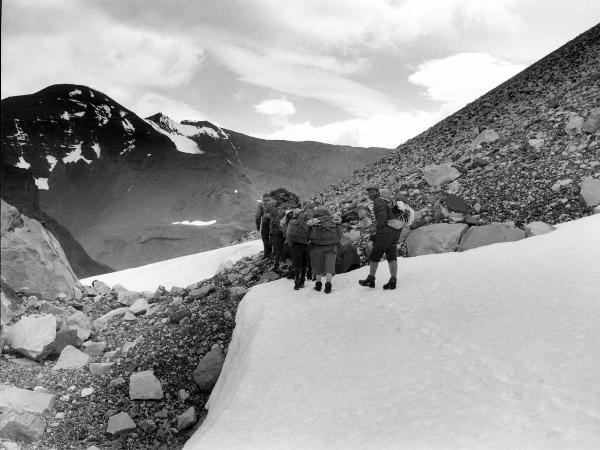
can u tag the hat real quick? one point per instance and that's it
(372, 187)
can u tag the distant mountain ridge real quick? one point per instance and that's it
(118, 182)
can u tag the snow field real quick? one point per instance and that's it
(497, 347)
(181, 271)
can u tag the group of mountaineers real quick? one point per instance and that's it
(311, 236)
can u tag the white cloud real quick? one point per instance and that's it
(150, 103)
(303, 81)
(276, 107)
(463, 77)
(387, 131)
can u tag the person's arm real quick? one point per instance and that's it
(258, 217)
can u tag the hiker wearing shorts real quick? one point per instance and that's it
(325, 237)
(385, 240)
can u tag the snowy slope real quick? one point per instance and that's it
(497, 347)
(181, 271)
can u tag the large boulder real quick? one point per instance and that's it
(33, 336)
(32, 256)
(490, 234)
(208, 370)
(592, 123)
(23, 399)
(81, 323)
(435, 238)
(590, 191)
(145, 386)
(440, 174)
(21, 426)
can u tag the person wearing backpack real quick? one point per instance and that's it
(263, 223)
(298, 236)
(325, 237)
(390, 219)
(277, 235)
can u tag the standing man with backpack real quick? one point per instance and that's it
(298, 236)
(325, 237)
(389, 220)
(263, 223)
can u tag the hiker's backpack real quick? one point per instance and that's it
(324, 232)
(400, 215)
(297, 230)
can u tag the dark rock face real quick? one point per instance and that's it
(114, 179)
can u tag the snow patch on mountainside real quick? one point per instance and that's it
(74, 92)
(96, 148)
(52, 161)
(22, 164)
(41, 183)
(496, 347)
(103, 114)
(196, 223)
(75, 155)
(177, 134)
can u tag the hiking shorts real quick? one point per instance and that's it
(385, 243)
(322, 258)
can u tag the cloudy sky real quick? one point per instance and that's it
(357, 72)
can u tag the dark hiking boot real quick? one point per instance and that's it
(318, 286)
(328, 287)
(297, 286)
(368, 282)
(390, 284)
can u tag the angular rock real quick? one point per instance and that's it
(100, 287)
(187, 419)
(538, 228)
(119, 424)
(268, 277)
(100, 369)
(145, 386)
(485, 137)
(11, 305)
(435, 238)
(21, 426)
(140, 306)
(94, 348)
(489, 234)
(208, 370)
(201, 292)
(49, 308)
(440, 174)
(128, 298)
(33, 257)
(33, 336)
(23, 399)
(457, 204)
(71, 358)
(147, 426)
(574, 124)
(86, 392)
(80, 323)
(179, 315)
(592, 124)
(590, 191)
(236, 293)
(101, 322)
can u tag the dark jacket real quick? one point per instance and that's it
(383, 213)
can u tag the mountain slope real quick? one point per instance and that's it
(118, 182)
(541, 129)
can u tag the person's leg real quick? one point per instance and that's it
(391, 254)
(393, 268)
(374, 257)
(297, 263)
(330, 259)
(318, 265)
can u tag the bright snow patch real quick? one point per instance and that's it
(79, 114)
(178, 135)
(235, 191)
(75, 155)
(52, 161)
(196, 223)
(128, 126)
(181, 271)
(103, 114)
(41, 183)
(74, 92)
(65, 116)
(22, 164)
(96, 148)
(20, 135)
(209, 131)
(497, 347)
